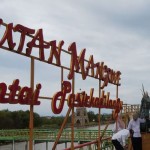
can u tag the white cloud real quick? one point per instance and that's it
(116, 32)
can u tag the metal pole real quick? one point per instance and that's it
(13, 145)
(117, 91)
(61, 129)
(65, 120)
(31, 106)
(72, 123)
(99, 115)
(33, 144)
(117, 115)
(26, 145)
(65, 144)
(46, 145)
(62, 77)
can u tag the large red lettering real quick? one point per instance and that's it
(65, 89)
(13, 91)
(3, 89)
(38, 37)
(25, 95)
(21, 95)
(76, 62)
(54, 52)
(24, 31)
(91, 66)
(8, 37)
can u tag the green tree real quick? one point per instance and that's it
(92, 116)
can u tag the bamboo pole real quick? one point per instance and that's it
(31, 106)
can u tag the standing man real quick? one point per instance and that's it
(119, 139)
(136, 138)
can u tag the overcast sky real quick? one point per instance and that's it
(116, 32)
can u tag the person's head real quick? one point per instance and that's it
(135, 116)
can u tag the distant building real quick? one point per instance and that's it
(81, 116)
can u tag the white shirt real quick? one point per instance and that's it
(121, 136)
(135, 126)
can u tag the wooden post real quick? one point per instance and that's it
(31, 107)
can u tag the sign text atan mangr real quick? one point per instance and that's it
(78, 64)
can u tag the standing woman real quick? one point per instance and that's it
(134, 126)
